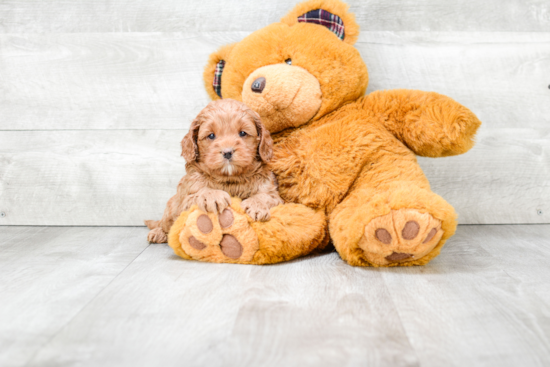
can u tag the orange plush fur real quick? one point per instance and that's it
(337, 151)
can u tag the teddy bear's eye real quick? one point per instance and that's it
(211, 136)
(288, 61)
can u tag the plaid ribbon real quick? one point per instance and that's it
(217, 84)
(324, 18)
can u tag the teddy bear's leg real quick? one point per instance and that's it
(399, 225)
(391, 217)
(233, 237)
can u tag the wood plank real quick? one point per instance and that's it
(102, 177)
(530, 253)
(165, 311)
(160, 311)
(47, 275)
(318, 312)
(9, 233)
(505, 178)
(42, 16)
(501, 77)
(484, 301)
(101, 81)
(120, 177)
(154, 80)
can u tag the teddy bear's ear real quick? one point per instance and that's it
(214, 69)
(332, 14)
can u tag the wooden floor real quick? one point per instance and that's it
(102, 296)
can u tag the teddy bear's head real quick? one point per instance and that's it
(295, 71)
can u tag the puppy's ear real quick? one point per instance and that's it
(189, 147)
(265, 147)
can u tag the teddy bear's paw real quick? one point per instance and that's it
(403, 235)
(226, 237)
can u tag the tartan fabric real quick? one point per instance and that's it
(332, 21)
(217, 84)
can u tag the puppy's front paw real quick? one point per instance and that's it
(256, 209)
(157, 235)
(212, 201)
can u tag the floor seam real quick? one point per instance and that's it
(84, 307)
(401, 320)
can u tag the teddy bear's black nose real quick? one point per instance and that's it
(258, 85)
(227, 153)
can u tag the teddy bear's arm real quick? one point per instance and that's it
(430, 124)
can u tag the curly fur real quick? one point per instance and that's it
(211, 178)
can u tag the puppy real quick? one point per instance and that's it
(226, 150)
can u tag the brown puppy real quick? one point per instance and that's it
(226, 150)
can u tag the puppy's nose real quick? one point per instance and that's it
(227, 153)
(258, 85)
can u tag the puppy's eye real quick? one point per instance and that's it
(242, 134)
(288, 61)
(211, 136)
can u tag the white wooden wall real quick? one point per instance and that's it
(95, 97)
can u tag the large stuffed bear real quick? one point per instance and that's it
(345, 162)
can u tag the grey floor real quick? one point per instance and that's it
(102, 296)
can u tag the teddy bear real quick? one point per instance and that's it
(345, 161)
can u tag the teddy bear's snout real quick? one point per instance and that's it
(284, 95)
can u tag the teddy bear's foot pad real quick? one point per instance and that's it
(231, 247)
(400, 236)
(226, 237)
